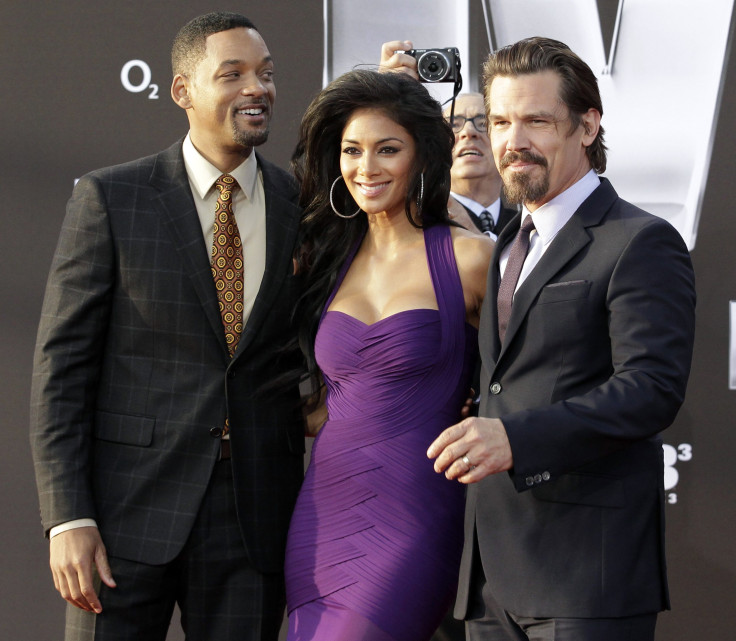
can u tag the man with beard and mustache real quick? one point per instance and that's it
(564, 466)
(167, 469)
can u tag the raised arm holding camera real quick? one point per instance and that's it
(476, 184)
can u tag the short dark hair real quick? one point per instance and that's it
(578, 87)
(325, 239)
(191, 41)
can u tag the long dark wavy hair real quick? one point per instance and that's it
(325, 239)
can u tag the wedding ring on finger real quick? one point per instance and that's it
(467, 462)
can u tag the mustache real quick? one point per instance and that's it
(522, 156)
(257, 102)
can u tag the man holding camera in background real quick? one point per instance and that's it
(476, 183)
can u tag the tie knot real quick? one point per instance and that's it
(527, 225)
(486, 221)
(226, 184)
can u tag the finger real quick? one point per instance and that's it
(459, 467)
(83, 591)
(450, 455)
(388, 49)
(449, 436)
(72, 591)
(103, 568)
(473, 475)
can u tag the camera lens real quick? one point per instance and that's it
(433, 66)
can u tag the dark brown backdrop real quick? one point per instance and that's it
(65, 111)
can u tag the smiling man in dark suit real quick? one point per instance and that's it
(167, 470)
(583, 366)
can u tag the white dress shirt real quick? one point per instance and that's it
(548, 220)
(494, 209)
(249, 208)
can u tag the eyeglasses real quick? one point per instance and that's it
(480, 122)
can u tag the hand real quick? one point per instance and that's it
(468, 404)
(400, 62)
(73, 556)
(315, 419)
(482, 440)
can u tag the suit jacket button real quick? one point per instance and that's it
(529, 481)
(545, 476)
(537, 478)
(495, 388)
(215, 432)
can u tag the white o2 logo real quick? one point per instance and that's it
(683, 452)
(145, 82)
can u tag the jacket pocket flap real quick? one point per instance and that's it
(570, 290)
(124, 428)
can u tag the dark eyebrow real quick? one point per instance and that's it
(530, 116)
(378, 142)
(235, 62)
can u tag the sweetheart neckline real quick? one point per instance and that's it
(384, 318)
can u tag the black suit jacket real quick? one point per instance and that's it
(594, 365)
(132, 370)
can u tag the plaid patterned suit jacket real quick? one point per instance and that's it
(132, 371)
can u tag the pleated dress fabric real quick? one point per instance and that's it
(376, 536)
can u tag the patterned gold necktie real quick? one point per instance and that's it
(227, 262)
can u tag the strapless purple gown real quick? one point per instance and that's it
(375, 540)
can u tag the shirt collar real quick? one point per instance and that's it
(552, 216)
(203, 174)
(494, 208)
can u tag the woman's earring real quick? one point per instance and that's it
(421, 193)
(332, 204)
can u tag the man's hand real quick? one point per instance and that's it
(73, 556)
(401, 62)
(472, 449)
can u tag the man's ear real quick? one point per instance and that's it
(591, 124)
(180, 91)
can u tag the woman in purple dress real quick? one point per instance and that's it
(389, 320)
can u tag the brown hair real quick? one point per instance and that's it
(578, 86)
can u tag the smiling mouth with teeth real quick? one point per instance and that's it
(257, 111)
(470, 152)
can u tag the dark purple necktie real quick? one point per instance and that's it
(506, 289)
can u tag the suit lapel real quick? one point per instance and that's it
(179, 214)
(570, 240)
(282, 222)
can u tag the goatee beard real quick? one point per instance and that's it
(251, 138)
(522, 188)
